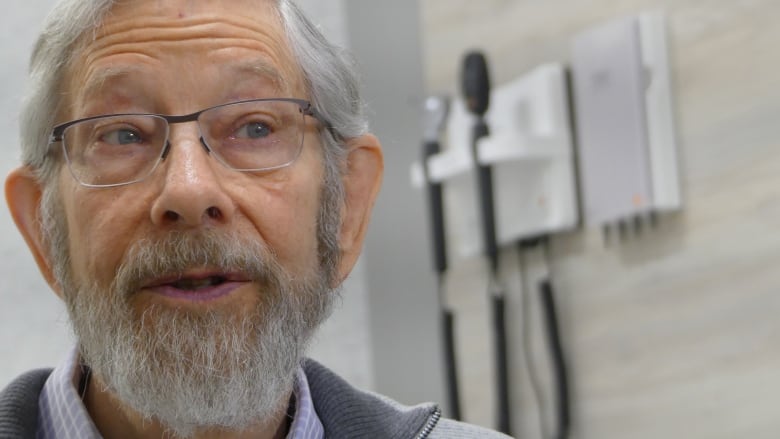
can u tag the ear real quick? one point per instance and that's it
(23, 194)
(362, 179)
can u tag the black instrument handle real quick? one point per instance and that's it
(450, 363)
(436, 211)
(558, 359)
(502, 365)
(485, 188)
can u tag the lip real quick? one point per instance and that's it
(163, 286)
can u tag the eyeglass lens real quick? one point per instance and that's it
(246, 136)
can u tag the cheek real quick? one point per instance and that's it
(285, 214)
(100, 230)
(287, 222)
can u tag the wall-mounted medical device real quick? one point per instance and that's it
(530, 152)
(624, 119)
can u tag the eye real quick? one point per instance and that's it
(122, 136)
(253, 130)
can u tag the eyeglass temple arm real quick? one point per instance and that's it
(309, 110)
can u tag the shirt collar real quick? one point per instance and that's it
(62, 412)
(306, 424)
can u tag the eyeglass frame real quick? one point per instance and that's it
(58, 134)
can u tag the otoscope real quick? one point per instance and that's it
(435, 115)
(476, 90)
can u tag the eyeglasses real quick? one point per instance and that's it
(251, 136)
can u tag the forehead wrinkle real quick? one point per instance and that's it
(154, 47)
(219, 33)
(173, 34)
(142, 30)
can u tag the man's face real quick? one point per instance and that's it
(176, 58)
(194, 291)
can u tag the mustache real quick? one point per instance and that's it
(177, 252)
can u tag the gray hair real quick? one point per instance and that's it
(328, 71)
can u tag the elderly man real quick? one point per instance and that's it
(197, 182)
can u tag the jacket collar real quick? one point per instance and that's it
(347, 412)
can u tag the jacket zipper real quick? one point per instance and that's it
(431, 424)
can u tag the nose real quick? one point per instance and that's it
(192, 194)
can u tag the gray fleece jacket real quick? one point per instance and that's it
(344, 411)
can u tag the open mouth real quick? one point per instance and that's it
(190, 284)
(197, 287)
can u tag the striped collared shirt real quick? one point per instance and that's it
(63, 414)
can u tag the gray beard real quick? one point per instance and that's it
(221, 368)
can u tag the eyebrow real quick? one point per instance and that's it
(95, 82)
(265, 70)
(260, 68)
